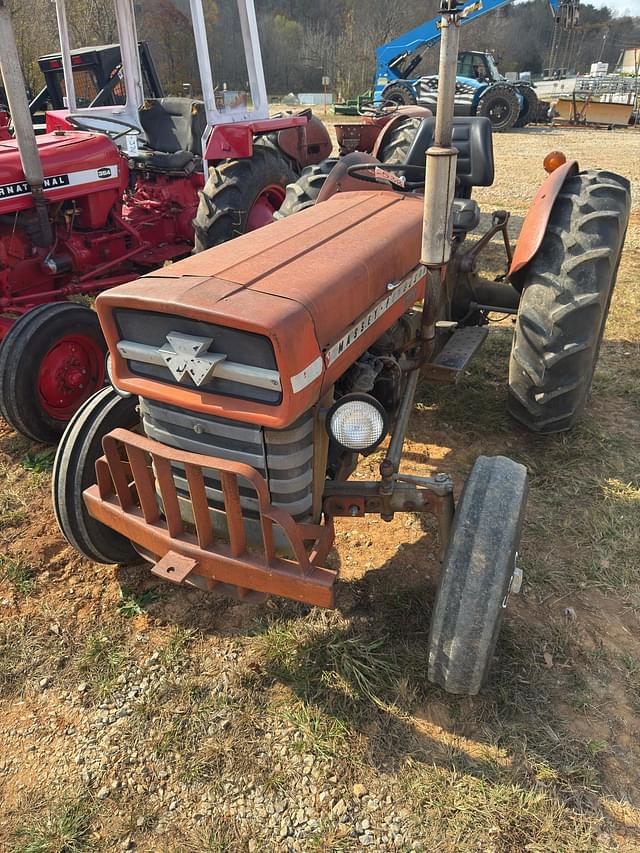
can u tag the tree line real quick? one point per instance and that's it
(304, 40)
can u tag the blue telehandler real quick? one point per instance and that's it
(480, 88)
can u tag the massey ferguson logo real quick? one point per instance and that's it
(104, 172)
(186, 356)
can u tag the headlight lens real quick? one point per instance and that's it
(357, 422)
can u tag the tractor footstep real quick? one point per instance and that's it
(456, 354)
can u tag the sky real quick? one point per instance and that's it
(620, 7)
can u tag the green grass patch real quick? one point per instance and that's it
(64, 828)
(135, 604)
(40, 461)
(103, 658)
(18, 573)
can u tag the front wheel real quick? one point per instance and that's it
(241, 196)
(74, 470)
(51, 361)
(478, 572)
(566, 292)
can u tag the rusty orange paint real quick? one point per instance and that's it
(535, 223)
(302, 282)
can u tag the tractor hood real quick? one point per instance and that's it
(74, 164)
(259, 328)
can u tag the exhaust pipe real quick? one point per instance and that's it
(22, 123)
(440, 179)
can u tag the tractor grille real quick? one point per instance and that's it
(283, 457)
(248, 370)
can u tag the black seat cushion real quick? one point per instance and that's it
(174, 124)
(472, 136)
(179, 161)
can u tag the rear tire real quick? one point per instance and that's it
(74, 471)
(304, 192)
(567, 290)
(400, 141)
(500, 105)
(477, 572)
(402, 94)
(51, 360)
(531, 106)
(241, 195)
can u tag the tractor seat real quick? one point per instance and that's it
(472, 136)
(173, 128)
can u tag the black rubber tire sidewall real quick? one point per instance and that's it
(401, 138)
(566, 294)
(21, 355)
(74, 471)
(507, 94)
(530, 109)
(401, 94)
(304, 192)
(231, 191)
(476, 573)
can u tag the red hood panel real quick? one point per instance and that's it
(74, 164)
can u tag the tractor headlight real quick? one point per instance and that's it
(357, 422)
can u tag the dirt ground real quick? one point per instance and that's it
(136, 715)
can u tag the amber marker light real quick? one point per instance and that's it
(553, 160)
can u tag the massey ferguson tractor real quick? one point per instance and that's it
(113, 191)
(248, 380)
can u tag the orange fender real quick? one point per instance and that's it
(535, 223)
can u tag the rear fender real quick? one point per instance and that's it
(536, 220)
(398, 116)
(316, 145)
(341, 182)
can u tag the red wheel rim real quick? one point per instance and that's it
(269, 200)
(69, 373)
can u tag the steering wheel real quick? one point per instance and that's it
(74, 121)
(359, 171)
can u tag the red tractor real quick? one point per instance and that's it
(111, 192)
(248, 380)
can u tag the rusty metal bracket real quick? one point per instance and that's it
(174, 567)
(499, 223)
(433, 495)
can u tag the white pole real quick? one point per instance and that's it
(65, 51)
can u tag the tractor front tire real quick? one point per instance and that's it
(74, 470)
(400, 141)
(477, 573)
(241, 196)
(567, 289)
(500, 104)
(51, 360)
(304, 192)
(531, 106)
(400, 94)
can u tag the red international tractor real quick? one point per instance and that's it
(110, 192)
(248, 380)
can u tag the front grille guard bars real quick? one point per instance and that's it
(125, 498)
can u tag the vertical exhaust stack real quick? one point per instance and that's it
(441, 157)
(22, 123)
